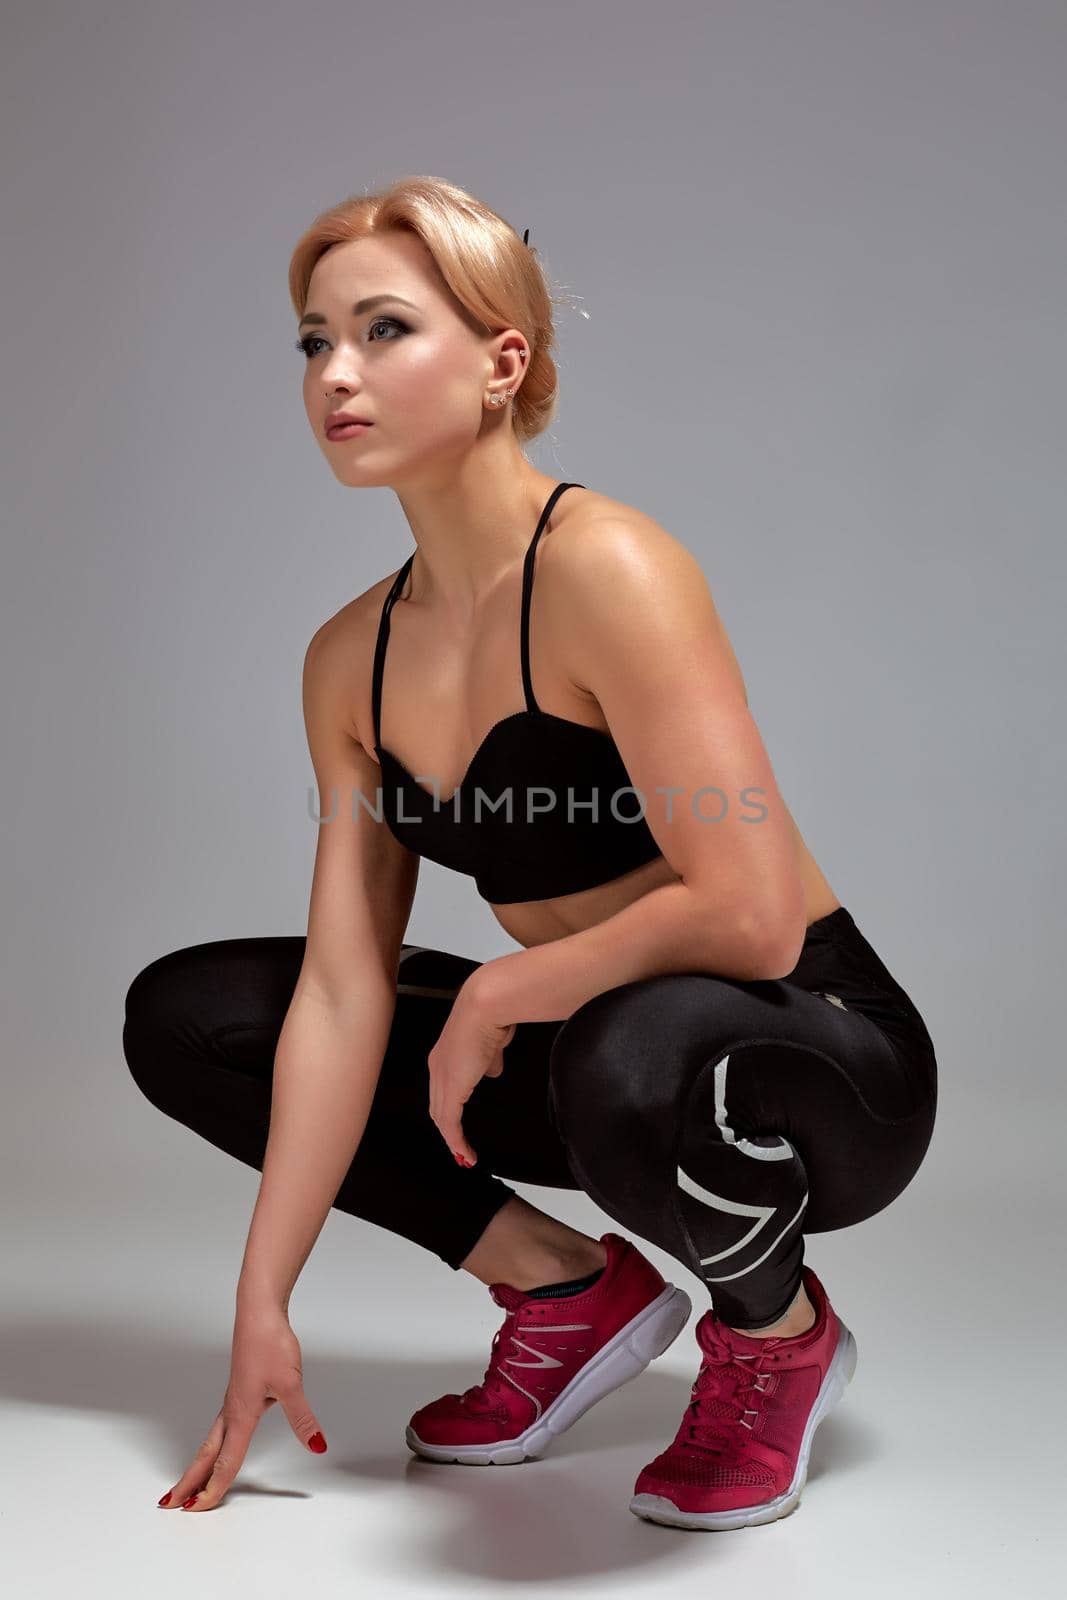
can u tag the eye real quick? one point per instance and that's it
(306, 342)
(304, 345)
(390, 322)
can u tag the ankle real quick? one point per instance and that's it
(526, 1248)
(556, 1265)
(800, 1318)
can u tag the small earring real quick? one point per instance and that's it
(502, 399)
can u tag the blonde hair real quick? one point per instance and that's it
(497, 279)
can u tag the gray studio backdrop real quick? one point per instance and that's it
(821, 249)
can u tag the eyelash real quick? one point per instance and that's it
(309, 338)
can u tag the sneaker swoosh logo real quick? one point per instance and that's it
(543, 1359)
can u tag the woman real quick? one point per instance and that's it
(695, 1032)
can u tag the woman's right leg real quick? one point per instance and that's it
(201, 1028)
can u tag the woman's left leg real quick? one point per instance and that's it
(722, 1119)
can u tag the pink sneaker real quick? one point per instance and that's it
(741, 1453)
(553, 1359)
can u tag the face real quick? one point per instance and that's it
(418, 372)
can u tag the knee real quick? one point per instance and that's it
(159, 989)
(146, 991)
(151, 1009)
(617, 1061)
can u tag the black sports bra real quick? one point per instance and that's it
(532, 817)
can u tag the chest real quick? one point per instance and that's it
(453, 703)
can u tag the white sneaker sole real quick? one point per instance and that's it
(624, 1357)
(657, 1508)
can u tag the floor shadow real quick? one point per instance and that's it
(563, 1517)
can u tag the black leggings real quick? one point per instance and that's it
(719, 1119)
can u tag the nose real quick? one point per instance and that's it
(337, 370)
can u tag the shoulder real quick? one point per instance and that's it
(605, 540)
(616, 578)
(339, 659)
(354, 620)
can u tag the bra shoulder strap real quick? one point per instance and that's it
(527, 592)
(380, 645)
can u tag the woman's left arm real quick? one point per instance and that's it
(645, 639)
(648, 644)
(670, 929)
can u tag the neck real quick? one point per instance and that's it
(471, 524)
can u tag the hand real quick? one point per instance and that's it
(265, 1367)
(469, 1048)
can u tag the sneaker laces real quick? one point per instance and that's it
(727, 1377)
(488, 1391)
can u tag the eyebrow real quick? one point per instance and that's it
(359, 307)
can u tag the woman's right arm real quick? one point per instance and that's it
(335, 1033)
(326, 1068)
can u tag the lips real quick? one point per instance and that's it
(339, 420)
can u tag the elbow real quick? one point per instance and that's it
(774, 944)
(779, 960)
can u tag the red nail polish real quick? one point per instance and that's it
(166, 1499)
(190, 1502)
(317, 1443)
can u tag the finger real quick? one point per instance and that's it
(445, 1114)
(234, 1448)
(451, 1130)
(302, 1419)
(198, 1471)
